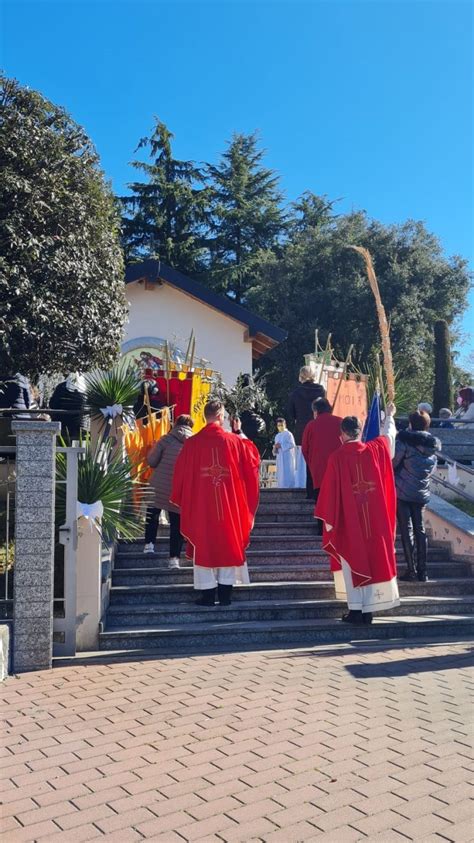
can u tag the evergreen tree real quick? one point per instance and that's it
(309, 212)
(61, 267)
(245, 219)
(443, 383)
(164, 215)
(316, 283)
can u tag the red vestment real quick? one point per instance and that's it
(320, 438)
(357, 502)
(216, 487)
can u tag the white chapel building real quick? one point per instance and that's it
(167, 306)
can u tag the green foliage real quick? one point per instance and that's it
(104, 476)
(464, 505)
(247, 394)
(245, 218)
(317, 283)
(61, 271)
(120, 385)
(406, 393)
(443, 383)
(164, 214)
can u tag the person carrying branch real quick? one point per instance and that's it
(357, 503)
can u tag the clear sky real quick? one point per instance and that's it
(367, 100)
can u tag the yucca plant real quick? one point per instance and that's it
(247, 394)
(104, 476)
(121, 385)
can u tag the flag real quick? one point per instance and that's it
(372, 424)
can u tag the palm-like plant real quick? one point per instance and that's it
(247, 394)
(120, 386)
(104, 476)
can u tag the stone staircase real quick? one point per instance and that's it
(290, 601)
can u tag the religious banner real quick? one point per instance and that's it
(352, 398)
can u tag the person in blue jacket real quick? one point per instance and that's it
(414, 463)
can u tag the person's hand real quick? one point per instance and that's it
(236, 425)
(277, 447)
(391, 409)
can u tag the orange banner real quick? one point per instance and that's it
(352, 398)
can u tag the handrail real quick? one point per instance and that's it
(452, 461)
(11, 449)
(460, 493)
(36, 411)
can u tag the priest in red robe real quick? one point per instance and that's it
(216, 487)
(357, 503)
(321, 437)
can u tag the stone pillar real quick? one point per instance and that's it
(34, 544)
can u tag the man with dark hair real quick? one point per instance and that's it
(414, 463)
(320, 438)
(357, 503)
(216, 487)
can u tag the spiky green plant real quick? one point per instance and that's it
(121, 385)
(247, 394)
(104, 476)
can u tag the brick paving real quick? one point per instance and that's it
(346, 743)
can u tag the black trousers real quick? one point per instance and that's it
(413, 535)
(151, 530)
(310, 491)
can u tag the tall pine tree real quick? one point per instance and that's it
(164, 214)
(245, 218)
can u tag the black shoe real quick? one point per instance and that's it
(224, 594)
(367, 617)
(408, 577)
(352, 616)
(207, 598)
(422, 576)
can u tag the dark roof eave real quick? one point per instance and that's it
(153, 270)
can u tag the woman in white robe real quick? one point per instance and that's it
(285, 451)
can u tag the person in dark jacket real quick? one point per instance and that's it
(300, 412)
(162, 459)
(16, 393)
(71, 395)
(414, 463)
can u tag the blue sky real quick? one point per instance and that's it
(367, 100)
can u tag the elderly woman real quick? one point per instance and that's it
(300, 412)
(162, 459)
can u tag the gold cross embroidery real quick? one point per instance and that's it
(362, 489)
(217, 474)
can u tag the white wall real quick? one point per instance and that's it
(167, 313)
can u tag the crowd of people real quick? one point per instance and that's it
(209, 485)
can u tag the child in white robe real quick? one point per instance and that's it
(285, 451)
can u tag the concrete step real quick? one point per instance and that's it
(288, 571)
(323, 590)
(295, 556)
(296, 507)
(146, 614)
(268, 495)
(271, 540)
(208, 637)
(264, 573)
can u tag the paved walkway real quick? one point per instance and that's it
(332, 744)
